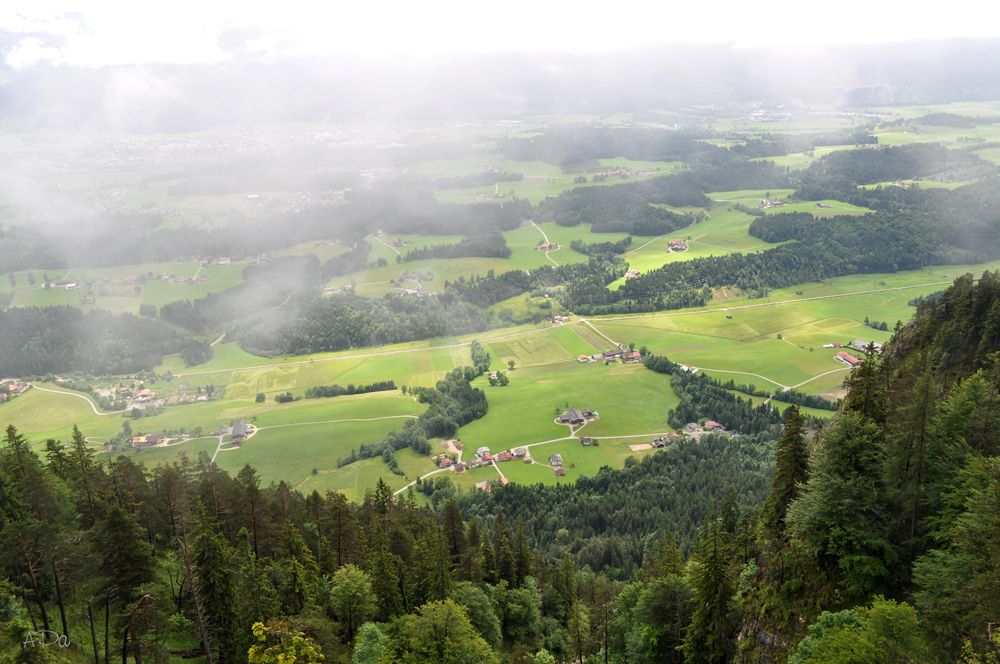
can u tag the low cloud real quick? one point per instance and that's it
(30, 52)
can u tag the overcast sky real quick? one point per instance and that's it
(100, 32)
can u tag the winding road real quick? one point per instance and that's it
(78, 396)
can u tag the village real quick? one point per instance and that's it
(574, 418)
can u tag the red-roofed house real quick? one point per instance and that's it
(446, 462)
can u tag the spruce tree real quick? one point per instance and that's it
(215, 585)
(489, 563)
(711, 636)
(524, 559)
(471, 569)
(791, 471)
(504, 554)
(385, 577)
(839, 517)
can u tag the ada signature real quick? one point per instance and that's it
(39, 638)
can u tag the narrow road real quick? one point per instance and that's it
(645, 245)
(219, 339)
(388, 245)
(546, 242)
(78, 396)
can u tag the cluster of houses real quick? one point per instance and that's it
(660, 443)
(397, 242)
(142, 396)
(863, 345)
(693, 429)
(611, 356)
(547, 246)
(147, 440)
(482, 458)
(767, 205)
(413, 292)
(560, 319)
(632, 273)
(14, 387)
(678, 245)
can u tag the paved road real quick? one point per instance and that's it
(78, 396)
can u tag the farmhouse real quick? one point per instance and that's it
(239, 431)
(483, 451)
(446, 462)
(555, 460)
(505, 456)
(863, 345)
(659, 443)
(634, 356)
(712, 425)
(560, 472)
(18, 388)
(474, 463)
(587, 442)
(572, 416)
(848, 359)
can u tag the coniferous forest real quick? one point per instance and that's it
(875, 538)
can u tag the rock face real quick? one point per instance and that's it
(757, 645)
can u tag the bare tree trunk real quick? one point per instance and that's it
(24, 596)
(199, 614)
(93, 632)
(107, 629)
(59, 598)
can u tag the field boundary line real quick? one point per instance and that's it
(770, 304)
(352, 419)
(80, 396)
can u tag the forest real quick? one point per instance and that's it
(38, 341)
(873, 539)
(910, 228)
